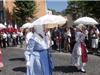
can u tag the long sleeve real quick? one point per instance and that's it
(28, 37)
(80, 37)
(29, 49)
(77, 36)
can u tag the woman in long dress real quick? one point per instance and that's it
(37, 57)
(79, 54)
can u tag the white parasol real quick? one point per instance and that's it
(50, 20)
(2, 26)
(26, 25)
(86, 21)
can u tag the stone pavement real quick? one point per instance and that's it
(14, 62)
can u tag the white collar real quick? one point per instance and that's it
(40, 40)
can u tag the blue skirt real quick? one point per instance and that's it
(40, 63)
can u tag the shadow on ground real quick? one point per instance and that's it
(97, 54)
(94, 53)
(65, 69)
(19, 69)
(17, 59)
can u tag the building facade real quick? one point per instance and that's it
(6, 10)
(1, 12)
(8, 5)
(40, 8)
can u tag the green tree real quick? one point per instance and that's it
(23, 11)
(83, 8)
(54, 12)
(76, 8)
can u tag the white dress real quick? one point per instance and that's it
(77, 50)
(95, 40)
(37, 57)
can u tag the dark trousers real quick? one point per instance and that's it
(21, 41)
(4, 42)
(14, 42)
(54, 46)
(0, 43)
(8, 43)
(17, 41)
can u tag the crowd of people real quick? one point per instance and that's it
(77, 40)
(64, 38)
(8, 39)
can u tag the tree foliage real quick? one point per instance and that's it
(54, 12)
(84, 8)
(23, 10)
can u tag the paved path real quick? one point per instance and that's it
(15, 63)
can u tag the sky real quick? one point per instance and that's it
(58, 5)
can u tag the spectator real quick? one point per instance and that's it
(95, 38)
(4, 35)
(67, 37)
